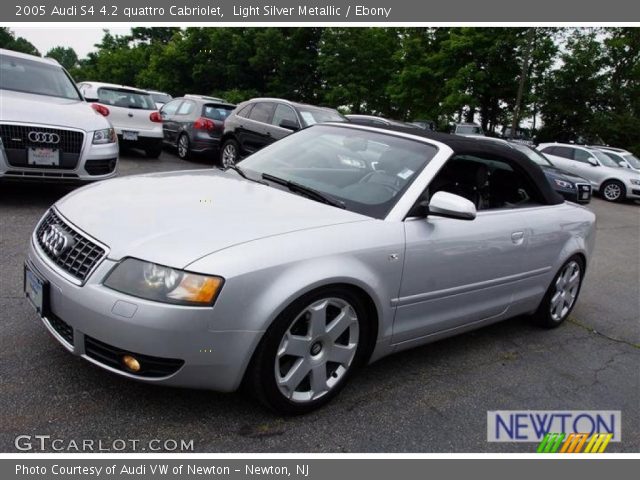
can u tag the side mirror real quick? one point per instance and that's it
(593, 162)
(289, 125)
(445, 204)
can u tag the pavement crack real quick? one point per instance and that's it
(603, 335)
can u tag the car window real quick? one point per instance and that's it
(581, 155)
(171, 108)
(532, 154)
(22, 75)
(469, 130)
(245, 111)
(487, 182)
(564, 152)
(632, 160)
(604, 159)
(216, 112)
(313, 115)
(186, 108)
(283, 112)
(161, 97)
(262, 112)
(368, 171)
(122, 97)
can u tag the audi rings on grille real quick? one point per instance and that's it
(56, 240)
(43, 137)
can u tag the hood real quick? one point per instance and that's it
(178, 217)
(555, 172)
(45, 110)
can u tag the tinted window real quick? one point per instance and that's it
(23, 75)
(245, 111)
(564, 152)
(532, 154)
(581, 155)
(284, 112)
(469, 130)
(262, 112)
(216, 112)
(489, 183)
(171, 107)
(121, 97)
(313, 115)
(186, 108)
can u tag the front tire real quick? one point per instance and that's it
(562, 294)
(230, 153)
(310, 350)
(613, 191)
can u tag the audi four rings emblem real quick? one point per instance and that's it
(56, 241)
(43, 137)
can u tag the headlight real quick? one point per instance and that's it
(107, 135)
(635, 182)
(163, 284)
(563, 184)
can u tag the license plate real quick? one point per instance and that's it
(35, 288)
(43, 156)
(129, 135)
(584, 196)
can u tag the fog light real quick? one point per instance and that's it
(131, 363)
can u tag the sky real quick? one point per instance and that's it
(81, 39)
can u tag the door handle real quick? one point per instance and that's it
(517, 237)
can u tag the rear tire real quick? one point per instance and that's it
(310, 351)
(153, 152)
(230, 153)
(613, 191)
(184, 147)
(562, 294)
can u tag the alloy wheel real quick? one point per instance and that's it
(317, 350)
(229, 155)
(612, 192)
(183, 146)
(566, 291)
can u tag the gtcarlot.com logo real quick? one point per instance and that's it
(556, 431)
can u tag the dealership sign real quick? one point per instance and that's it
(534, 425)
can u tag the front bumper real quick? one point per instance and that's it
(78, 316)
(580, 194)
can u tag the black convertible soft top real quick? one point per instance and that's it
(470, 146)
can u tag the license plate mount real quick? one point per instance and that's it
(46, 157)
(36, 290)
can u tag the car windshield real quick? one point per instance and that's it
(161, 97)
(22, 75)
(604, 159)
(312, 115)
(469, 130)
(121, 97)
(632, 160)
(367, 171)
(217, 112)
(532, 155)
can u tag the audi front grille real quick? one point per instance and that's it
(80, 259)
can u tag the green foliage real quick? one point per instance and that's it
(9, 41)
(65, 56)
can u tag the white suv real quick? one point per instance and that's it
(132, 112)
(612, 181)
(47, 131)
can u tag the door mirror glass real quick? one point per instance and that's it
(445, 204)
(289, 124)
(593, 161)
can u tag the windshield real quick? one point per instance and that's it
(367, 171)
(22, 75)
(121, 97)
(469, 130)
(604, 159)
(632, 160)
(532, 155)
(216, 112)
(312, 115)
(161, 97)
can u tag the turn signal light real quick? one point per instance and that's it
(131, 363)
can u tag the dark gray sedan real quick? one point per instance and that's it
(194, 124)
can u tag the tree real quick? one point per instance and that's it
(66, 56)
(9, 41)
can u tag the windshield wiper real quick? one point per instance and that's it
(240, 172)
(304, 190)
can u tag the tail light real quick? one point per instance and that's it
(155, 117)
(101, 109)
(203, 123)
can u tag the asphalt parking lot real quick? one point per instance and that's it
(430, 399)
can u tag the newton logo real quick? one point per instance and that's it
(574, 443)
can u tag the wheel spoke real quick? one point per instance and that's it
(339, 324)
(319, 379)
(295, 345)
(341, 354)
(295, 375)
(318, 318)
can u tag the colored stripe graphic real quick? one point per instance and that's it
(550, 443)
(574, 443)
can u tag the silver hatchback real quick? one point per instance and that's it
(329, 249)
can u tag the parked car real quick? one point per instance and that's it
(47, 130)
(570, 186)
(606, 176)
(194, 125)
(468, 129)
(425, 124)
(258, 122)
(303, 266)
(374, 120)
(622, 157)
(132, 113)
(159, 98)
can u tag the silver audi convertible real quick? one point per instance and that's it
(325, 251)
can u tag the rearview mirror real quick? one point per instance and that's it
(445, 204)
(593, 162)
(289, 124)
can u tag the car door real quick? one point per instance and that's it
(282, 112)
(460, 272)
(586, 165)
(560, 156)
(169, 124)
(256, 132)
(184, 117)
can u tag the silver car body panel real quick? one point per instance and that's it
(426, 278)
